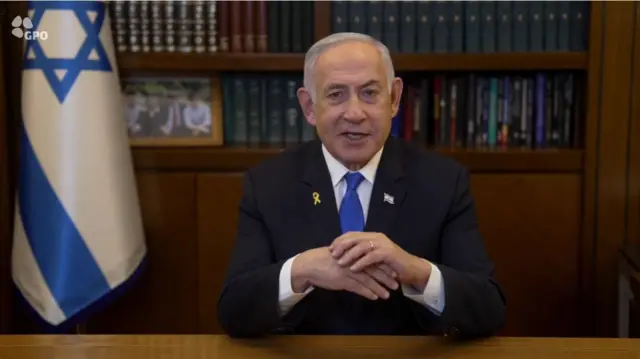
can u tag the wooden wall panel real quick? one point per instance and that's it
(533, 239)
(607, 152)
(166, 296)
(218, 199)
(633, 213)
(531, 227)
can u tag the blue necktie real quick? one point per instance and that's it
(351, 214)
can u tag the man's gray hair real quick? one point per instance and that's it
(338, 38)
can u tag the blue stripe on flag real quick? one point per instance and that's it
(67, 265)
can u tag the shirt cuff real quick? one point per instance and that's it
(433, 295)
(287, 298)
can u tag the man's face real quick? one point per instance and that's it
(353, 108)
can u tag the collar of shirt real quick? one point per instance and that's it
(337, 170)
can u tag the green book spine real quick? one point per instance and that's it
(493, 111)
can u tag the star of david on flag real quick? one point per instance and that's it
(78, 237)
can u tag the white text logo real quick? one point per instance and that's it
(19, 23)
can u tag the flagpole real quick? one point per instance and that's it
(81, 328)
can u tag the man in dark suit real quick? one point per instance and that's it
(358, 233)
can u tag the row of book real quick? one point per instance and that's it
(475, 110)
(212, 26)
(467, 26)
(263, 109)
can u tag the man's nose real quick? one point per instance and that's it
(354, 111)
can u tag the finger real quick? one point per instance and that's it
(371, 284)
(371, 258)
(382, 277)
(388, 270)
(354, 253)
(342, 238)
(347, 243)
(356, 287)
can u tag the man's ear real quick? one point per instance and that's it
(306, 103)
(396, 95)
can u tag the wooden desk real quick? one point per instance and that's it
(320, 347)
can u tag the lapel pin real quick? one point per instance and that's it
(388, 198)
(316, 198)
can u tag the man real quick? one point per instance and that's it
(357, 233)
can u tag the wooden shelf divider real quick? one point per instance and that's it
(242, 158)
(180, 62)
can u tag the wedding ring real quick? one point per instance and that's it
(371, 245)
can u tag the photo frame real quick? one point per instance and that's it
(173, 111)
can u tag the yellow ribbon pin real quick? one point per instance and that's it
(316, 198)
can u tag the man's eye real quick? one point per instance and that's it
(370, 92)
(334, 95)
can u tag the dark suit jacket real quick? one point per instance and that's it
(433, 217)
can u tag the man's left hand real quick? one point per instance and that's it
(361, 250)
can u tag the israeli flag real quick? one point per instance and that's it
(78, 230)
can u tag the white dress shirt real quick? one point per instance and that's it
(433, 295)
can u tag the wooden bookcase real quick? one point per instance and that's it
(559, 160)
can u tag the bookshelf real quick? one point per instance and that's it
(321, 22)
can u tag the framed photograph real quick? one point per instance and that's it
(173, 111)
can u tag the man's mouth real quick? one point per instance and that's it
(355, 135)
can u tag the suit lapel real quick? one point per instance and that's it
(389, 190)
(323, 221)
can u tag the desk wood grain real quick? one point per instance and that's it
(306, 347)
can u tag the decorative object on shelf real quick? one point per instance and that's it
(173, 111)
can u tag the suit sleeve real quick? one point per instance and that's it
(248, 305)
(475, 305)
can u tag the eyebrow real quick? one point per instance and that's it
(340, 86)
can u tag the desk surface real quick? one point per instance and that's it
(325, 347)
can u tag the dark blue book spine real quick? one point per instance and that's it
(442, 31)
(551, 26)
(472, 26)
(536, 26)
(340, 16)
(425, 24)
(391, 26)
(457, 27)
(374, 19)
(520, 22)
(564, 13)
(504, 24)
(408, 27)
(488, 9)
(357, 17)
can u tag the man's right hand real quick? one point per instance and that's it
(316, 267)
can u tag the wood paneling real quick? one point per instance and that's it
(533, 239)
(633, 213)
(166, 296)
(591, 160)
(607, 149)
(218, 200)
(531, 227)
